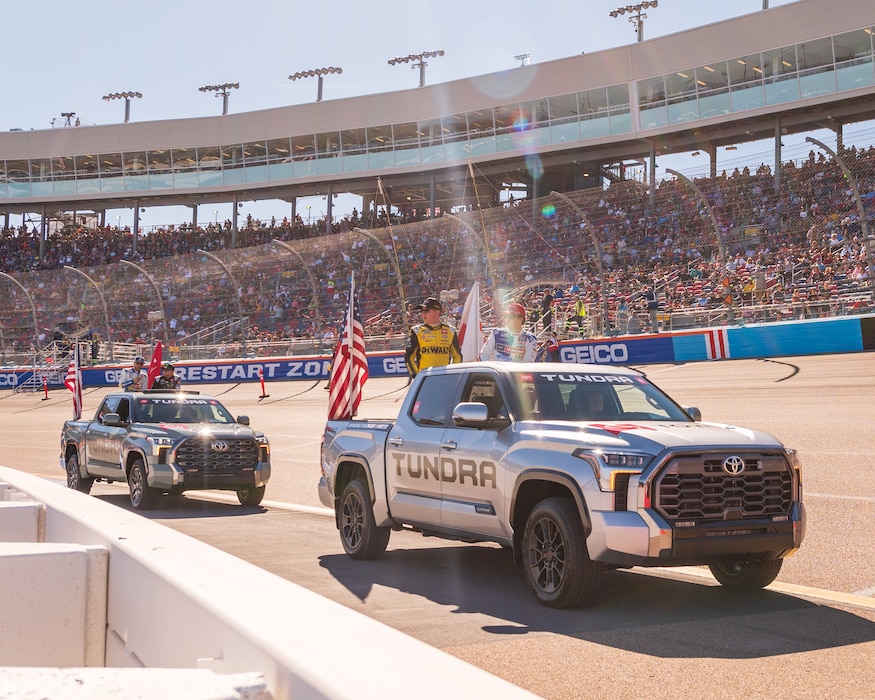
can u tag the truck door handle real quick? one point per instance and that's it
(396, 441)
(449, 445)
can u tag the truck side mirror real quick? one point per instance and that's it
(693, 413)
(473, 414)
(243, 420)
(113, 419)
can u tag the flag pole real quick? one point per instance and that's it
(349, 341)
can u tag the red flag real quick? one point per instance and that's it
(349, 370)
(154, 365)
(73, 381)
(471, 328)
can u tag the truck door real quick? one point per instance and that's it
(472, 465)
(413, 477)
(103, 442)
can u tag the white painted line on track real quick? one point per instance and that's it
(834, 597)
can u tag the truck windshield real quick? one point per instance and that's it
(177, 410)
(584, 396)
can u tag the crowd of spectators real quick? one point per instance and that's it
(797, 239)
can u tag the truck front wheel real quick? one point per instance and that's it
(250, 495)
(555, 560)
(74, 478)
(361, 537)
(142, 496)
(747, 575)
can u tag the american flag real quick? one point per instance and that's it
(73, 381)
(349, 370)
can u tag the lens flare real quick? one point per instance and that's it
(548, 211)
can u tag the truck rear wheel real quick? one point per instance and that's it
(747, 575)
(142, 496)
(555, 560)
(361, 537)
(74, 478)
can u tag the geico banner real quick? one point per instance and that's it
(623, 351)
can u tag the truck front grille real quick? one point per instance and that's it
(216, 454)
(696, 488)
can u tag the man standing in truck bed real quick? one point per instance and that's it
(431, 343)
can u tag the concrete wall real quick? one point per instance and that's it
(174, 602)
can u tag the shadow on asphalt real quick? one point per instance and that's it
(682, 619)
(178, 507)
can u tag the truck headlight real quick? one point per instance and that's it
(796, 465)
(607, 465)
(264, 447)
(160, 444)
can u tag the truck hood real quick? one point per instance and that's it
(651, 437)
(188, 430)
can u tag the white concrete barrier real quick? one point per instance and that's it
(54, 604)
(21, 521)
(178, 603)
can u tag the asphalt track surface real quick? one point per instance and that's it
(667, 633)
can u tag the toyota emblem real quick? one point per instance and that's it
(222, 446)
(733, 465)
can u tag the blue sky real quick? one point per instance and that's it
(63, 56)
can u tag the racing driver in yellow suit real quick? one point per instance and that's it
(431, 343)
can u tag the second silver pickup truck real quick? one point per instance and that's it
(578, 468)
(162, 441)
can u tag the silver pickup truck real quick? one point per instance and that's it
(161, 441)
(578, 468)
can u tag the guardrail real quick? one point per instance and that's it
(173, 602)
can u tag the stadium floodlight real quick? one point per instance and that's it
(222, 91)
(127, 97)
(420, 62)
(637, 19)
(523, 58)
(319, 72)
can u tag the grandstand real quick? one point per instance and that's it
(763, 239)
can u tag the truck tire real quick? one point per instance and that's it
(142, 496)
(361, 537)
(250, 496)
(555, 560)
(74, 478)
(747, 575)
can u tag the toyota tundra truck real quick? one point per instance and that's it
(578, 468)
(166, 441)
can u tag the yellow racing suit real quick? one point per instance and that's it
(431, 346)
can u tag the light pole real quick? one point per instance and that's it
(598, 256)
(861, 210)
(126, 96)
(157, 290)
(222, 91)
(102, 302)
(319, 72)
(484, 241)
(721, 246)
(638, 18)
(394, 260)
(32, 307)
(420, 62)
(308, 215)
(313, 285)
(67, 117)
